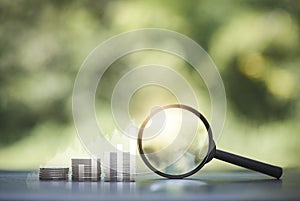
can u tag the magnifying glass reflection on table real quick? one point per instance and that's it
(175, 141)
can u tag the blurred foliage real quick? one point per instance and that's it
(255, 44)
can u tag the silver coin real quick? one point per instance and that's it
(42, 172)
(52, 176)
(87, 180)
(84, 159)
(85, 167)
(86, 172)
(53, 173)
(64, 172)
(73, 178)
(87, 176)
(81, 175)
(55, 169)
(85, 164)
(53, 179)
(45, 174)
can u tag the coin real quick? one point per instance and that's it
(86, 169)
(52, 173)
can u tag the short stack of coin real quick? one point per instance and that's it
(119, 166)
(53, 173)
(86, 169)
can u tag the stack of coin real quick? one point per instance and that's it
(126, 167)
(86, 169)
(53, 173)
(119, 166)
(110, 166)
(132, 166)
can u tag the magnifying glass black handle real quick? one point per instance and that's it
(271, 170)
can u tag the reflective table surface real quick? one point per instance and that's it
(225, 185)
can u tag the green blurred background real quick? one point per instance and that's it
(255, 45)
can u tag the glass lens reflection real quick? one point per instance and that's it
(178, 145)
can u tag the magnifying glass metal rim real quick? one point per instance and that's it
(211, 145)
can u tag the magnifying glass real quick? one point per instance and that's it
(175, 141)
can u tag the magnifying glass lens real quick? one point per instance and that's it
(173, 141)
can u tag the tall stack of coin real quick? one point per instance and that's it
(86, 169)
(126, 167)
(119, 166)
(53, 173)
(132, 166)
